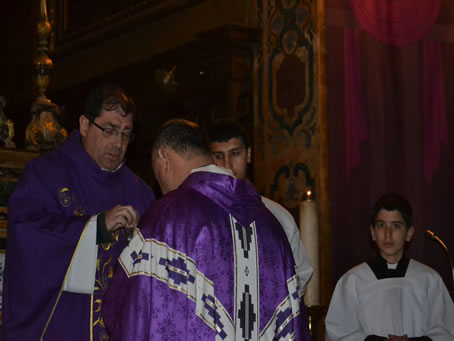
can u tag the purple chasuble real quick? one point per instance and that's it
(54, 199)
(210, 263)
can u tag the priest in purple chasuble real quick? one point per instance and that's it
(66, 222)
(210, 261)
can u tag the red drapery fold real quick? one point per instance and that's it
(435, 127)
(355, 122)
(397, 22)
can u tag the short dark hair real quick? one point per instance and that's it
(108, 97)
(391, 202)
(184, 137)
(226, 129)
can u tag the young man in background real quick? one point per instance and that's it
(230, 149)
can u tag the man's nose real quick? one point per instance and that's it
(228, 162)
(388, 230)
(117, 140)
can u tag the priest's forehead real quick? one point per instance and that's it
(108, 97)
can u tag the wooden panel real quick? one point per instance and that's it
(85, 22)
(12, 162)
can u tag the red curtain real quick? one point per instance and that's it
(435, 128)
(406, 144)
(398, 22)
(355, 123)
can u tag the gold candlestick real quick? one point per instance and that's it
(43, 131)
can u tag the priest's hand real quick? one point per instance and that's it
(121, 216)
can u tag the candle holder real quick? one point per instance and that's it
(314, 315)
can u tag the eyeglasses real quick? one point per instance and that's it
(127, 136)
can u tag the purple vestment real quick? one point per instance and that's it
(52, 202)
(210, 263)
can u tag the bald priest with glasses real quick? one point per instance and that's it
(67, 223)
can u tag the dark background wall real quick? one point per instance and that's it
(210, 43)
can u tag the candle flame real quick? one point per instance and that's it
(308, 193)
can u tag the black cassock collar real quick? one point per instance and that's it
(380, 268)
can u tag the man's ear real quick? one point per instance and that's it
(410, 233)
(249, 154)
(84, 123)
(164, 157)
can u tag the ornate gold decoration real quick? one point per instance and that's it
(43, 132)
(68, 198)
(6, 127)
(43, 64)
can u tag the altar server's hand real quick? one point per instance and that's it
(121, 216)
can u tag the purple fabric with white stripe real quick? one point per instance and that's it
(193, 222)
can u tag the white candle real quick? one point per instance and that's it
(308, 223)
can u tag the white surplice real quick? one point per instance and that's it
(415, 305)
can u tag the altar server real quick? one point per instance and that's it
(392, 297)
